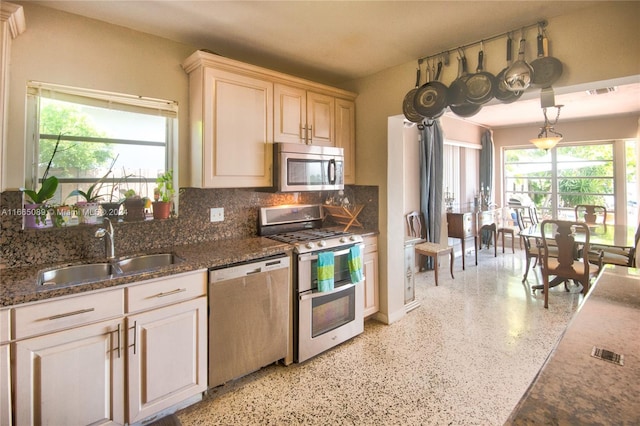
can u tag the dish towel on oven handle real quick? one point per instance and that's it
(325, 271)
(355, 264)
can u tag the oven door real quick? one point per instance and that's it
(328, 319)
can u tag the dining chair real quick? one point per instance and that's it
(414, 224)
(531, 250)
(533, 215)
(567, 265)
(591, 213)
(623, 256)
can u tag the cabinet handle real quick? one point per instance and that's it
(68, 314)
(135, 336)
(169, 293)
(118, 331)
(303, 133)
(310, 134)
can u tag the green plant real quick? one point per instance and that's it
(49, 183)
(164, 191)
(93, 193)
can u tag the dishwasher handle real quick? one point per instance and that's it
(246, 269)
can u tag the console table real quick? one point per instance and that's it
(465, 224)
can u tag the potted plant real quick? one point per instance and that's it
(134, 206)
(36, 211)
(61, 214)
(89, 209)
(163, 196)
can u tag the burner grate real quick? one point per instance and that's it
(306, 235)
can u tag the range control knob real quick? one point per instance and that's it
(309, 245)
(343, 239)
(322, 243)
(353, 238)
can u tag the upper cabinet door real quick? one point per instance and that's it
(237, 132)
(346, 136)
(321, 119)
(290, 114)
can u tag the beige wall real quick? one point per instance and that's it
(66, 49)
(595, 44)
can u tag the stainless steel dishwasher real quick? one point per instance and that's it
(248, 317)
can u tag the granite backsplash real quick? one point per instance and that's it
(21, 247)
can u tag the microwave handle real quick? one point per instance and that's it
(331, 171)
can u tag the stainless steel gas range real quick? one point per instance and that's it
(322, 318)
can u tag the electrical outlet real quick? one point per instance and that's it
(216, 214)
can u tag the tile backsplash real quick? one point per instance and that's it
(20, 247)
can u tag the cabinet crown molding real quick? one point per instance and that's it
(13, 14)
(201, 58)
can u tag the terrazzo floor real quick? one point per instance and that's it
(465, 356)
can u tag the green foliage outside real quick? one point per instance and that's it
(585, 174)
(56, 118)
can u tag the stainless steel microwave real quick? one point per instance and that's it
(299, 167)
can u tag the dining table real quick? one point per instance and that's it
(609, 235)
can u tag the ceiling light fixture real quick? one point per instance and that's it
(548, 137)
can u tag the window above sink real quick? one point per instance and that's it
(95, 128)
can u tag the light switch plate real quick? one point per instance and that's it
(216, 214)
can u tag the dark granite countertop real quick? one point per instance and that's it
(575, 388)
(18, 285)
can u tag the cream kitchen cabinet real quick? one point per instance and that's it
(370, 269)
(166, 343)
(237, 110)
(109, 357)
(231, 129)
(302, 116)
(5, 370)
(346, 136)
(69, 360)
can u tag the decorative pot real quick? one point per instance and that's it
(134, 209)
(60, 215)
(111, 210)
(161, 209)
(88, 212)
(36, 216)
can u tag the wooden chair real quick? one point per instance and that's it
(566, 266)
(619, 255)
(414, 224)
(533, 215)
(433, 250)
(506, 229)
(590, 214)
(531, 250)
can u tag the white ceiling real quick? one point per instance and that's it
(337, 41)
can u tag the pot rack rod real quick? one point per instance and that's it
(540, 24)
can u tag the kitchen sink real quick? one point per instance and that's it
(147, 261)
(76, 274)
(82, 274)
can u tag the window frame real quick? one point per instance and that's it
(103, 99)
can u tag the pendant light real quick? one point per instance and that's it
(548, 137)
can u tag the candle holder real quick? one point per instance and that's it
(449, 199)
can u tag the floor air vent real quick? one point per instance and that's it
(606, 355)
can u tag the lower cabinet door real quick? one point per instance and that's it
(167, 350)
(72, 377)
(5, 386)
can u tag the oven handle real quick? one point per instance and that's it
(345, 287)
(307, 257)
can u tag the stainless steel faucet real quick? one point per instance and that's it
(110, 246)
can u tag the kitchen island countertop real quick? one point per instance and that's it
(18, 285)
(573, 387)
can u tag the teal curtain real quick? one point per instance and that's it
(431, 167)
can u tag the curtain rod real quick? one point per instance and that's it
(540, 24)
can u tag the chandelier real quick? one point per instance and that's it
(548, 137)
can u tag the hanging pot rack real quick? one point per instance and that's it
(541, 25)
